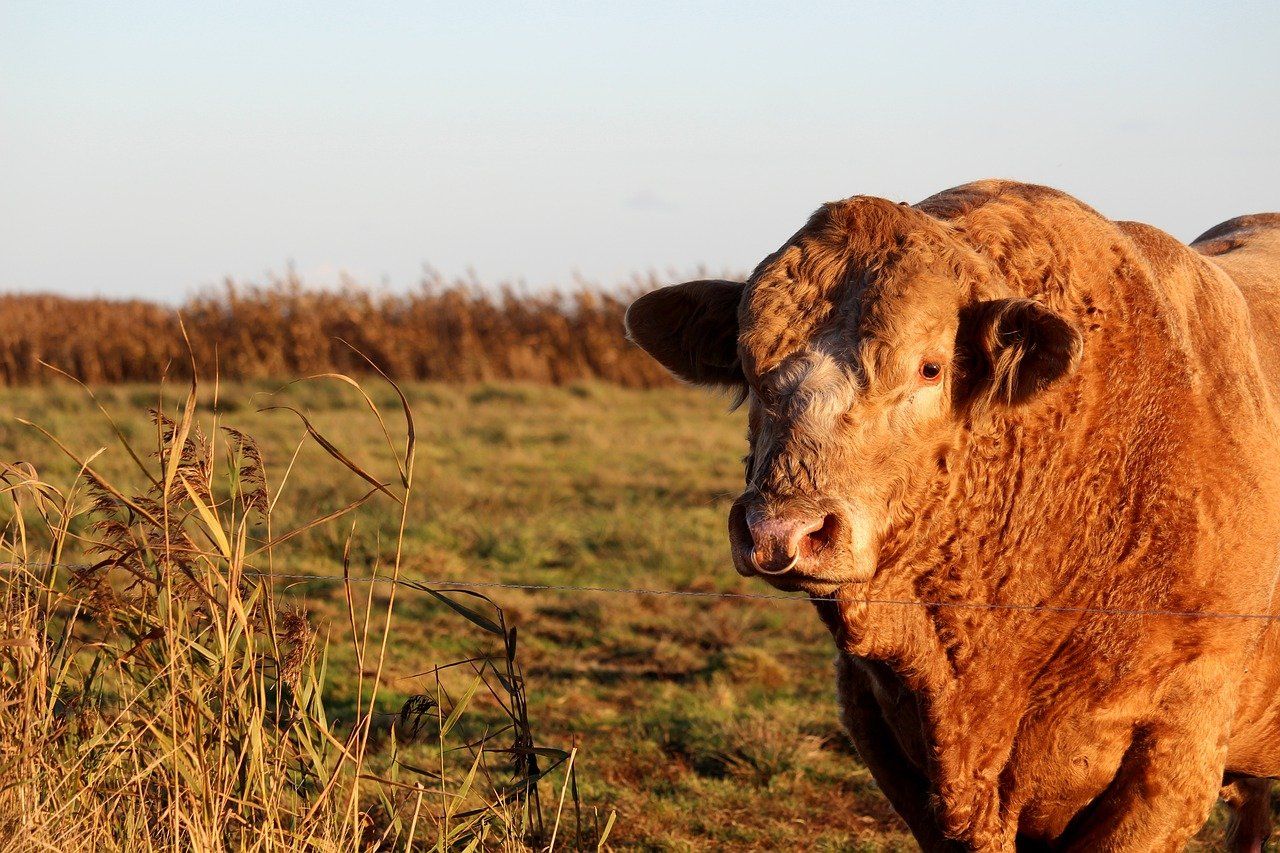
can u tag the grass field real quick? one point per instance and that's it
(706, 723)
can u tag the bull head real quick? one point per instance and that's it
(861, 347)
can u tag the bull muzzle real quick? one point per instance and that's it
(780, 540)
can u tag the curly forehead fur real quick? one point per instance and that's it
(859, 259)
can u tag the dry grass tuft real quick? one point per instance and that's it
(165, 695)
(763, 748)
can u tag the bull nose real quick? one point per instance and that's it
(779, 544)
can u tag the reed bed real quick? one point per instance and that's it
(456, 332)
(158, 690)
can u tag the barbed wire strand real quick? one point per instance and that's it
(454, 585)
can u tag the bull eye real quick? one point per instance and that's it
(930, 371)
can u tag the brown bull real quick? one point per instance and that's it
(1062, 435)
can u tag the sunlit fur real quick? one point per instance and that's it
(1105, 437)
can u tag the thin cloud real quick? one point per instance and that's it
(648, 200)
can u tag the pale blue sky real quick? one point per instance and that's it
(151, 148)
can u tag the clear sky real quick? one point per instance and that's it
(152, 148)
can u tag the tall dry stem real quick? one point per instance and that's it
(158, 690)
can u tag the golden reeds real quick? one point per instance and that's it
(451, 332)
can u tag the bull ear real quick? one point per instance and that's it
(691, 329)
(1017, 348)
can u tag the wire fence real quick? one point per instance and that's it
(450, 584)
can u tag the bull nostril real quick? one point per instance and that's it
(818, 539)
(741, 540)
(739, 529)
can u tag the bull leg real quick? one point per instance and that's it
(1162, 792)
(903, 785)
(1250, 800)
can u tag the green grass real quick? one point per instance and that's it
(703, 722)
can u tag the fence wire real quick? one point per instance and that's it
(455, 585)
